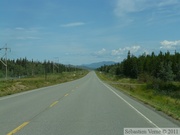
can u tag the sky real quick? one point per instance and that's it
(86, 31)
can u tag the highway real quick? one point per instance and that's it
(86, 106)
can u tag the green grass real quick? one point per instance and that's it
(161, 102)
(19, 85)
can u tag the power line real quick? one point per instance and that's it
(5, 57)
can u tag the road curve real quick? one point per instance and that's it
(83, 107)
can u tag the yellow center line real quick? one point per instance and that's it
(66, 95)
(54, 103)
(18, 128)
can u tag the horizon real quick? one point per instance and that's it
(96, 62)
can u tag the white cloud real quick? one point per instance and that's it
(19, 28)
(167, 2)
(118, 51)
(74, 24)
(27, 37)
(124, 7)
(116, 54)
(101, 52)
(121, 51)
(169, 44)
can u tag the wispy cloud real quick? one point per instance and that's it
(120, 51)
(125, 7)
(27, 37)
(163, 3)
(169, 44)
(116, 54)
(148, 12)
(21, 33)
(74, 24)
(101, 52)
(19, 28)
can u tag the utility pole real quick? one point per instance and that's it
(5, 57)
(55, 62)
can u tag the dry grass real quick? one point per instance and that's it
(159, 101)
(19, 85)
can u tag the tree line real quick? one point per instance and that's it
(164, 66)
(24, 67)
(159, 72)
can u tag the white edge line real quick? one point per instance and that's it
(130, 105)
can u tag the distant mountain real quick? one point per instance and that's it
(98, 64)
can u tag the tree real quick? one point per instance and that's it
(166, 73)
(164, 66)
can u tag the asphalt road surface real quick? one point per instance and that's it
(83, 107)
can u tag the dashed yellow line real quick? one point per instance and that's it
(26, 123)
(18, 128)
(54, 103)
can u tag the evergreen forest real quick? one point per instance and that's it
(161, 71)
(27, 68)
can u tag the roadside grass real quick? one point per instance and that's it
(10, 87)
(161, 102)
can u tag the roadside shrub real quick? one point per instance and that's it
(162, 87)
(144, 78)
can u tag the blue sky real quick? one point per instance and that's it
(86, 31)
